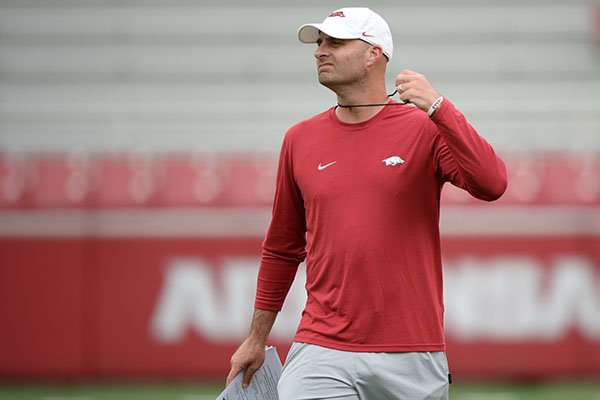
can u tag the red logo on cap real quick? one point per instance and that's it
(365, 34)
(336, 14)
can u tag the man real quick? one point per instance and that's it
(358, 193)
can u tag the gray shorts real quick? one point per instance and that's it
(313, 372)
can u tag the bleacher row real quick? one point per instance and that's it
(243, 180)
(229, 76)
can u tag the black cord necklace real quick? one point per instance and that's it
(374, 105)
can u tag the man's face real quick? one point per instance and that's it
(340, 61)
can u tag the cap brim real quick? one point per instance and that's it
(309, 33)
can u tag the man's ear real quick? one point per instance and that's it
(375, 53)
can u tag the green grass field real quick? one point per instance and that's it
(458, 391)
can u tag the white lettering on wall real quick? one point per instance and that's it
(519, 298)
(219, 306)
(497, 298)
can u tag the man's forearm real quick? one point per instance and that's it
(262, 323)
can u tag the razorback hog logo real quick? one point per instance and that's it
(393, 160)
(336, 14)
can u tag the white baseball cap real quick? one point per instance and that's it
(352, 23)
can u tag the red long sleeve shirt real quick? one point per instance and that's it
(360, 202)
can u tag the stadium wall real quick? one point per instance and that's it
(129, 266)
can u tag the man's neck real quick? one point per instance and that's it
(360, 95)
(359, 114)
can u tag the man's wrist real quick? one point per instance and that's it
(262, 323)
(258, 340)
(435, 105)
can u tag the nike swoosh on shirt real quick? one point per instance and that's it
(322, 167)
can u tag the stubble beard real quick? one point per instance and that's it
(340, 83)
(335, 80)
(328, 81)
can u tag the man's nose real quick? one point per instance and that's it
(320, 52)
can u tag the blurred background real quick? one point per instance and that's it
(138, 151)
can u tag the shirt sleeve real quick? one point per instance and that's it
(466, 159)
(284, 247)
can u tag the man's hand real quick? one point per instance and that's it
(249, 357)
(416, 89)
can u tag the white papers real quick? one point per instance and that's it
(263, 385)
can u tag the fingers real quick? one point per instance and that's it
(248, 375)
(406, 85)
(403, 87)
(247, 359)
(408, 72)
(405, 96)
(406, 76)
(233, 373)
(408, 79)
(415, 88)
(405, 91)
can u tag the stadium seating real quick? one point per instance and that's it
(174, 76)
